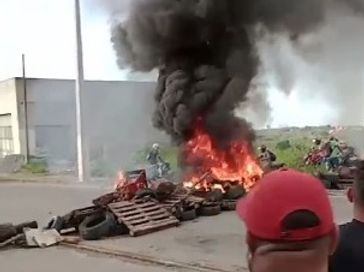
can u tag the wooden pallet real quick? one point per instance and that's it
(143, 217)
(173, 201)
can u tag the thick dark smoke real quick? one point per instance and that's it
(205, 55)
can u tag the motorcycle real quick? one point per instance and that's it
(158, 171)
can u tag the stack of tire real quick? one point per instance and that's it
(93, 227)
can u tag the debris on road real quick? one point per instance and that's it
(8, 231)
(142, 217)
(41, 238)
(138, 207)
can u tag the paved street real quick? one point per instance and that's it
(61, 260)
(215, 242)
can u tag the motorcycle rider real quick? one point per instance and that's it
(334, 158)
(155, 160)
(266, 156)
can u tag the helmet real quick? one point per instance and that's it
(263, 148)
(316, 141)
(155, 146)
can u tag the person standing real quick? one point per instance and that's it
(290, 224)
(155, 160)
(349, 256)
(335, 154)
(266, 157)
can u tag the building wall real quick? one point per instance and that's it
(8, 105)
(117, 119)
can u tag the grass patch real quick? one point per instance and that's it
(36, 166)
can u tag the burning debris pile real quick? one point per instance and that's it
(138, 207)
(232, 165)
(205, 53)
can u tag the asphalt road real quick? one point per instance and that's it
(216, 241)
(23, 202)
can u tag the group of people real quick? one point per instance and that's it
(329, 153)
(290, 225)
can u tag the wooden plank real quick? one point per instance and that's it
(143, 217)
(151, 214)
(150, 217)
(157, 227)
(148, 226)
(135, 206)
(136, 210)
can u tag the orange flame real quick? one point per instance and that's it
(121, 180)
(235, 164)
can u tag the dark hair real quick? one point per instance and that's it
(301, 219)
(359, 181)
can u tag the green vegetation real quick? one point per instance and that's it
(102, 169)
(168, 153)
(283, 145)
(36, 166)
(291, 145)
(294, 156)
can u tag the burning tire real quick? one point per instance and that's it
(235, 192)
(97, 226)
(210, 210)
(228, 205)
(188, 215)
(56, 223)
(215, 196)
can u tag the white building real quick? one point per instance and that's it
(117, 118)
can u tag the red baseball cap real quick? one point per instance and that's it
(277, 195)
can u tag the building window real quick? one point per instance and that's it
(6, 141)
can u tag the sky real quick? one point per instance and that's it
(44, 30)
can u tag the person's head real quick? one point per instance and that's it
(316, 141)
(356, 192)
(155, 146)
(289, 221)
(263, 148)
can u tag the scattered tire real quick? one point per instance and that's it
(188, 215)
(118, 229)
(215, 195)
(210, 210)
(227, 205)
(97, 226)
(6, 231)
(164, 190)
(33, 225)
(145, 193)
(56, 223)
(235, 192)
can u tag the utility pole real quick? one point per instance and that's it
(82, 163)
(26, 121)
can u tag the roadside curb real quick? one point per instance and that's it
(54, 182)
(148, 259)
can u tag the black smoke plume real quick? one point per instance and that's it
(205, 53)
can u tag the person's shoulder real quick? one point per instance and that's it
(351, 227)
(346, 226)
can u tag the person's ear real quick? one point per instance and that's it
(250, 261)
(335, 236)
(350, 194)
